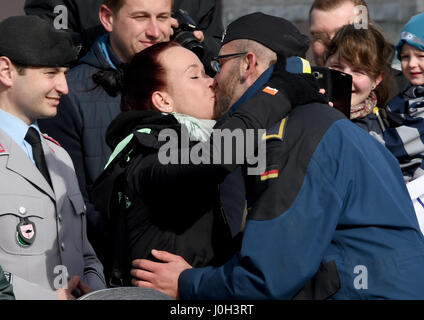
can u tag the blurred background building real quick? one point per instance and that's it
(391, 15)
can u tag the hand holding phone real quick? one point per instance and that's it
(338, 87)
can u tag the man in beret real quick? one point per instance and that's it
(323, 221)
(43, 240)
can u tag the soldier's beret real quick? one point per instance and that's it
(278, 34)
(33, 42)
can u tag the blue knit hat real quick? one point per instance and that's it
(412, 34)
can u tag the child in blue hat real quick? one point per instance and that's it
(410, 50)
(406, 140)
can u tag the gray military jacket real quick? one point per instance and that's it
(58, 245)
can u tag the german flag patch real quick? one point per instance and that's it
(271, 174)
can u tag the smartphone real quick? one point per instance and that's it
(337, 85)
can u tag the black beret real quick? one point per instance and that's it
(33, 42)
(278, 34)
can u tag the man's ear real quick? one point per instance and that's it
(6, 71)
(162, 101)
(249, 64)
(106, 17)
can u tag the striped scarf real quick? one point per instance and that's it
(414, 96)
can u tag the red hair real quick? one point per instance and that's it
(144, 75)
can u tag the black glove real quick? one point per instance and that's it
(300, 88)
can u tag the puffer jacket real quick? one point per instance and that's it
(190, 224)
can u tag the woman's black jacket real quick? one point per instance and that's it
(187, 221)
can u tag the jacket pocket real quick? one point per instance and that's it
(325, 283)
(76, 221)
(78, 204)
(14, 210)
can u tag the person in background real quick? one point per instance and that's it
(405, 140)
(83, 22)
(43, 239)
(405, 137)
(365, 55)
(327, 16)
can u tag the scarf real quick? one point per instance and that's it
(414, 96)
(364, 108)
(198, 129)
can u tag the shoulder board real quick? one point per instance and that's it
(276, 131)
(45, 136)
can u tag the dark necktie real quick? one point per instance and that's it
(33, 138)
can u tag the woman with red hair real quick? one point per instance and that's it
(155, 88)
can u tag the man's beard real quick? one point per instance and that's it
(225, 94)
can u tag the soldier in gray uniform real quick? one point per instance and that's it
(43, 241)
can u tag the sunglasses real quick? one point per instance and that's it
(216, 65)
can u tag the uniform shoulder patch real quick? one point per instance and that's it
(277, 131)
(45, 136)
(270, 91)
(2, 149)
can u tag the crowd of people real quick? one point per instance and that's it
(335, 211)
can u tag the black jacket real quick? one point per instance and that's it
(190, 224)
(83, 18)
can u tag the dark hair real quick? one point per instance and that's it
(144, 75)
(328, 5)
(368, 50)
(20, 68)
(114, 5)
